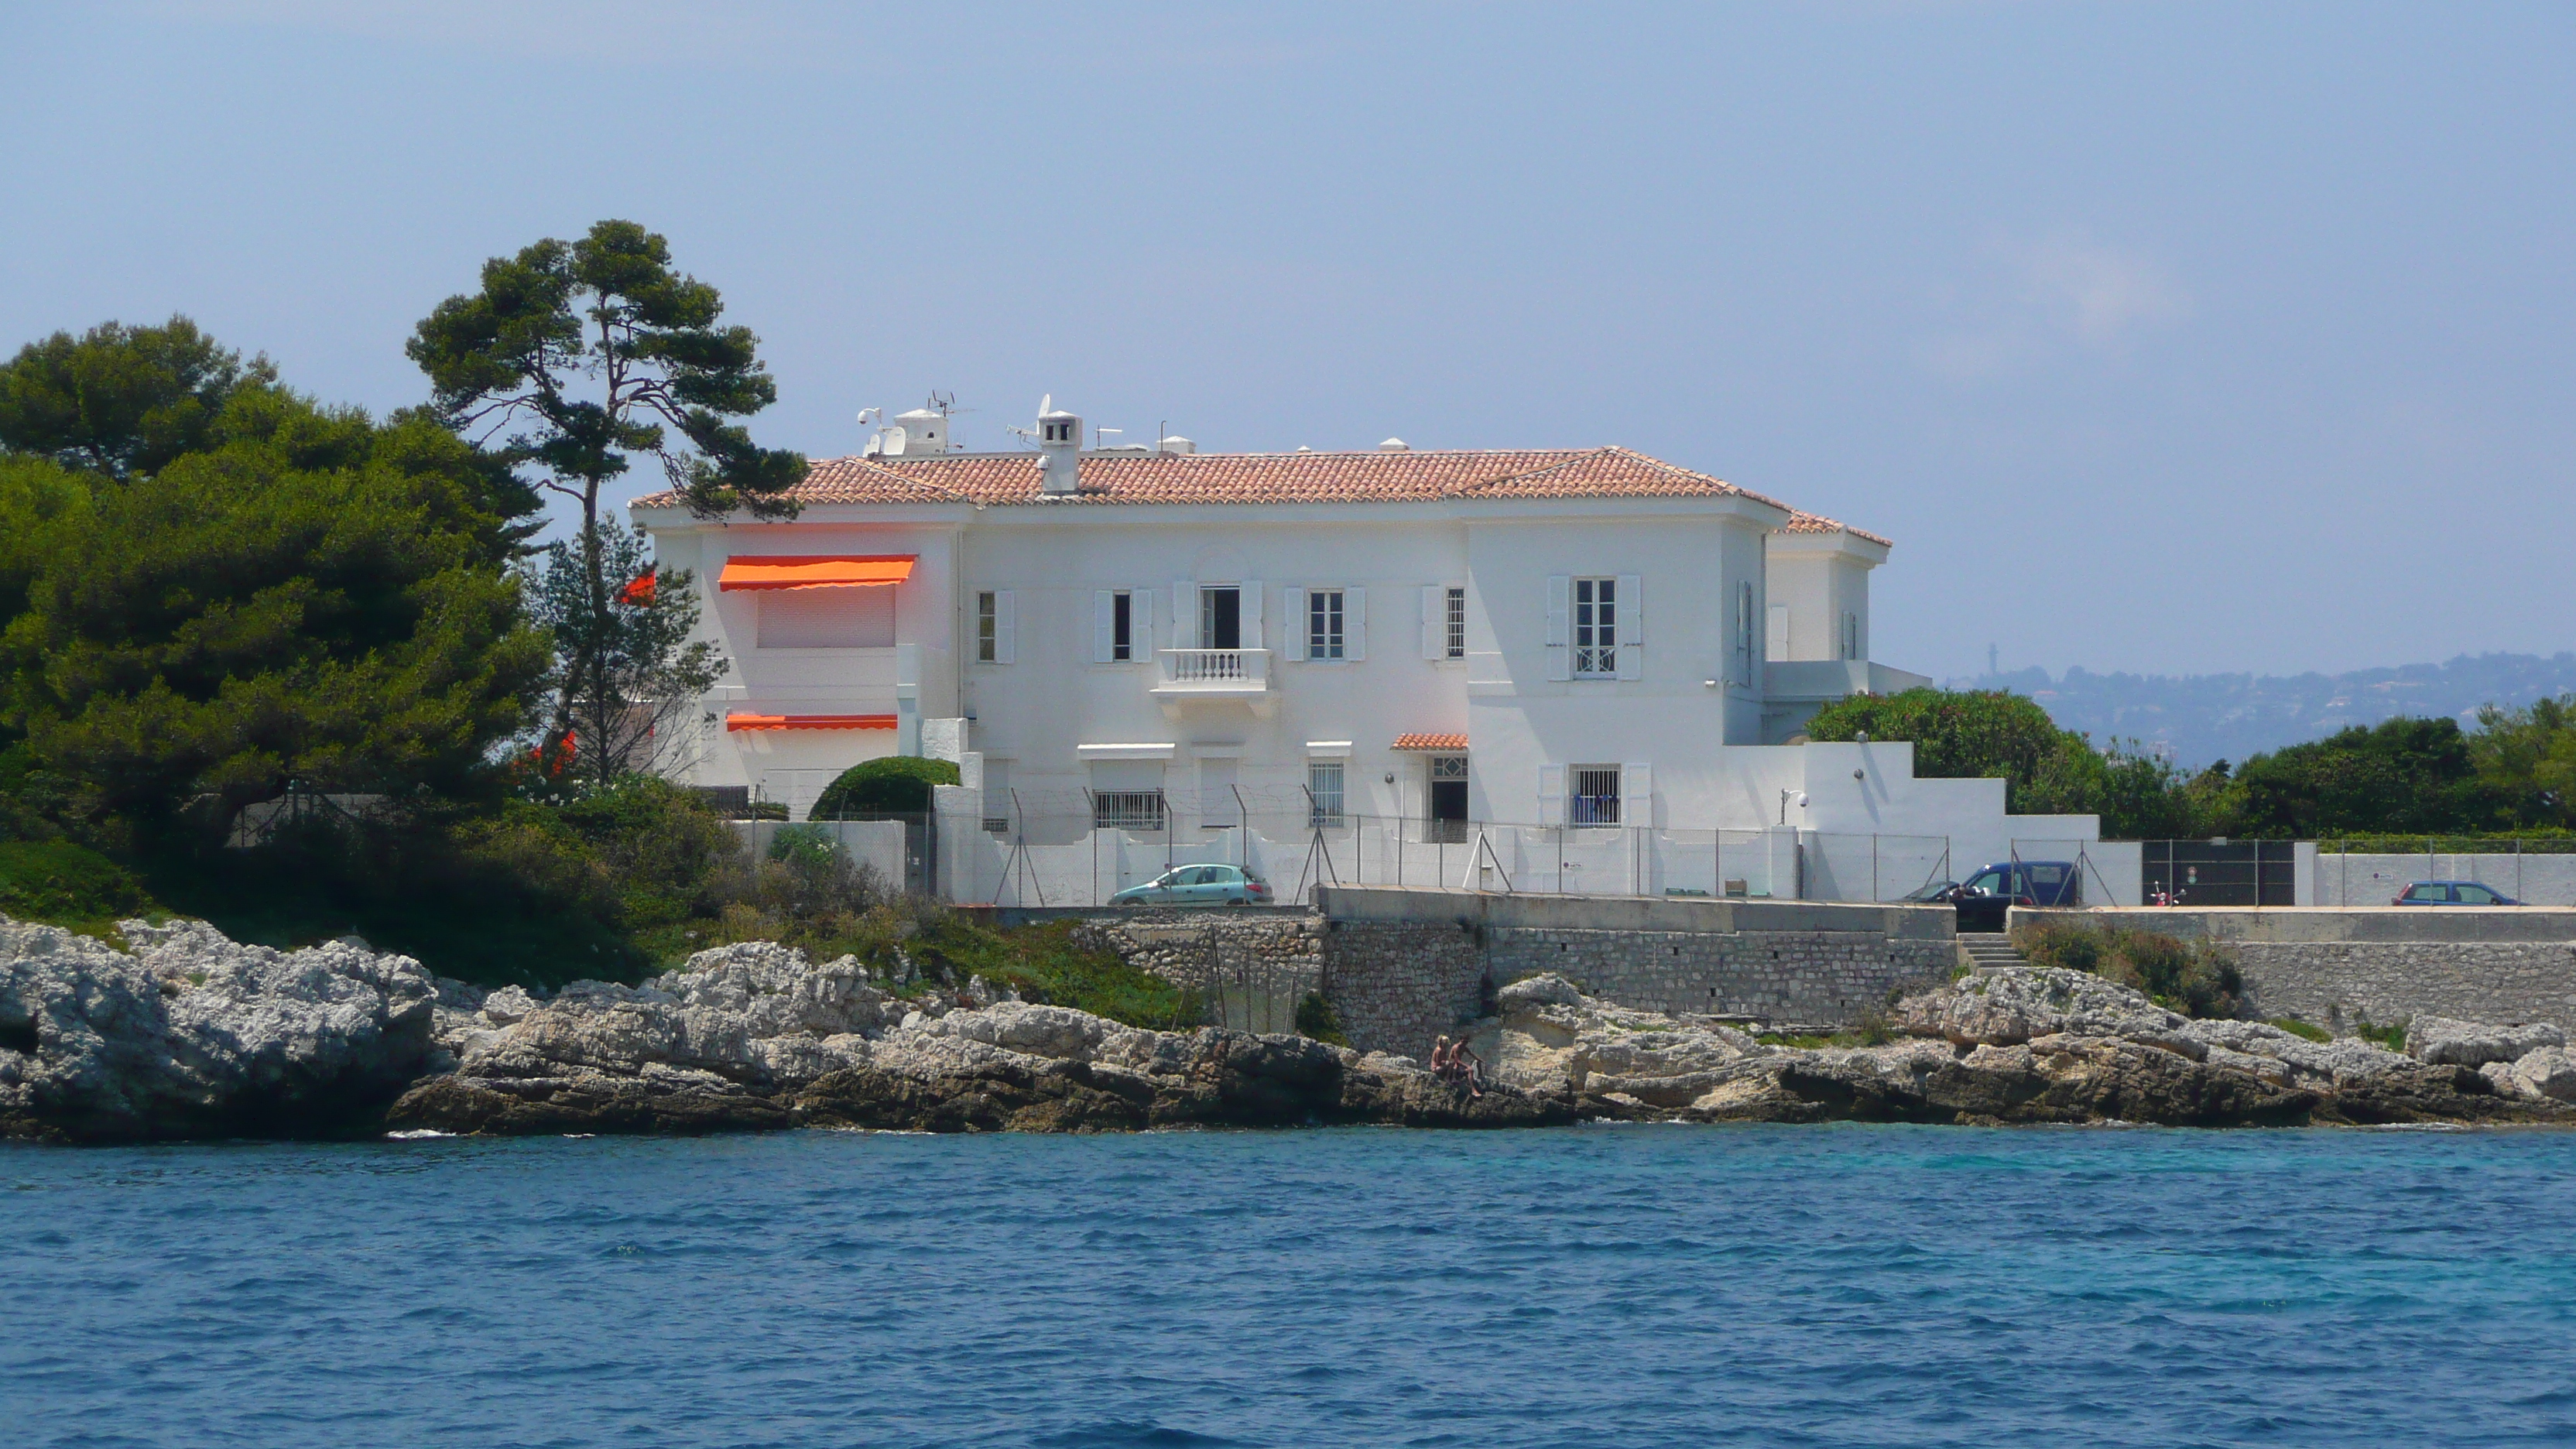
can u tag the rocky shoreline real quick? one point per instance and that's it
(191, 1035)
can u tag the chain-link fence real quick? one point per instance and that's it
(1030, 848)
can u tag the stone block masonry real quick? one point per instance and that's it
(1403, 966)
(2385, 964)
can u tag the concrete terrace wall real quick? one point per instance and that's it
(1403, 966)
(2375, 880)
(2385, 964)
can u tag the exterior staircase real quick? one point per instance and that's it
(1989, 950)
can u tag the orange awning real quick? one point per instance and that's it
(815, 571)
(809, 722)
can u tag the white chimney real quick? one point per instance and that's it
(1391, 445)
(918, 433)
(1174, 443)
(1060, 443)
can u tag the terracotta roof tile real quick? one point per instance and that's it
(1817, 523)
(1445, 743)
(995, 479)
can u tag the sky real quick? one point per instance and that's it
(2166, 337)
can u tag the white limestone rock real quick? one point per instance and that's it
(2003, 1008)
(2440, 1039)
(1549, 1036)
(191, 1032)
(2548, 1071)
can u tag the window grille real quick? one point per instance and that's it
(987, 627)
(1127, 810)
(1448, 767)
(1596, 627)
(1323, 623)
(1455, 625)
(1324, 783)
(1595, 799)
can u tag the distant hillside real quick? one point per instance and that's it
(2199, 718)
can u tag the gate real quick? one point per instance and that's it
(2218, 872)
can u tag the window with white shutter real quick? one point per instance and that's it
(1435, 633)
(1295, 625)
(1637, 794)
(1355, 623)
(996, 627)
(1632, 626)
(1551, 794)
(1778, 640)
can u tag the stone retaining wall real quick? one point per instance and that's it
(1403, 966)
(2338, 967)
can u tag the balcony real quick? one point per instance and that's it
(1207, 676)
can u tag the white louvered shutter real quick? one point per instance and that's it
(1295, 624)
(1632, 626)
(1141, 606)
(1435, 622)
(1637, 795)
(1250, 616)
(1776, 644)
(1354, 623)
(1560, 629)
(1185, 614)
(1104, 625)
(1551, 794)
(1006, 627)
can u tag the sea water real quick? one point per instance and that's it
(1597, 1286)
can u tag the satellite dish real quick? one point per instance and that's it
(1046, 404)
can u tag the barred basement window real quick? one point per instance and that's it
(1595, 798)
(1324, 784)
(1127, 810)
(1456, 624)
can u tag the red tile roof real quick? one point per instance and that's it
(1444, 743)
(1816, 523)
(1012, 478)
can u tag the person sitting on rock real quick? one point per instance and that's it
(1444, 1063)
(1466, 1068)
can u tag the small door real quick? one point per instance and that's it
(1448, 797)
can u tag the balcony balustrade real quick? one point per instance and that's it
(1188, 675)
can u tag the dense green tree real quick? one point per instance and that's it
(315, 597)
(120, 400)
(889, 784)
(575, 356)
(2528, 756)
(2402, 776)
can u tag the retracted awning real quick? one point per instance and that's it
(815, 571)
(809, 722)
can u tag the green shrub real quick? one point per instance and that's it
(2295, 1027)
(61, 883)
(803, 845)
(890, 785)
(2195, 979)
(2392, 1037)
(1317, 1019)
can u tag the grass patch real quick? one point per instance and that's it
(2304, 1029)
(2391, 1037)
(1317, 1019)
(62, 884)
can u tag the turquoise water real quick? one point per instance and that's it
(1593, 1286)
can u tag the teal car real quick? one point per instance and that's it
(1198, 885)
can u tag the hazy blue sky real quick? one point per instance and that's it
(2163, 337)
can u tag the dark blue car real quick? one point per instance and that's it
(1985, 896)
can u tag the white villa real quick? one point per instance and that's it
(1142, 655)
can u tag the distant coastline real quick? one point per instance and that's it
(2198, 719)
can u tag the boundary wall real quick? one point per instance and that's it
(2339, 967)
(2375, 879)
(1403, 966)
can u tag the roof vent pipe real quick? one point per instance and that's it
(1395, 445)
